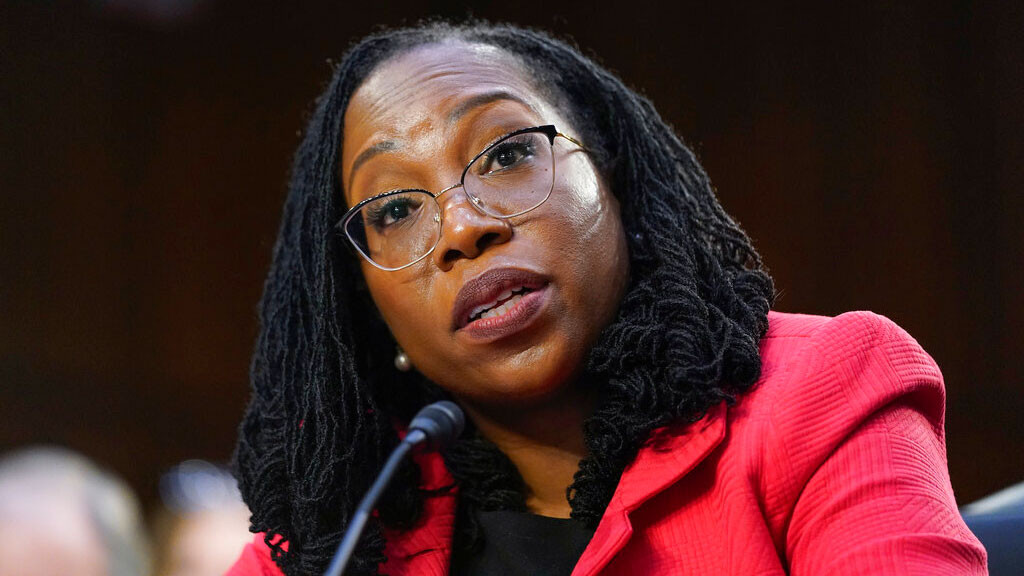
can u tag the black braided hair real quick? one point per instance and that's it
(326, 397)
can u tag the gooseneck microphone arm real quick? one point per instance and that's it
(435, 426)
(362, 514)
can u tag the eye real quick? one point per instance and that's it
(506, 154)
(391, 211)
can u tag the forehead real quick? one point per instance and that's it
(416, 93)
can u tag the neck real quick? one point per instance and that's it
(544, 442)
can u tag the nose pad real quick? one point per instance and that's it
(466, 231)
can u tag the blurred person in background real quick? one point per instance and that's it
(60, 514)
(203, 523)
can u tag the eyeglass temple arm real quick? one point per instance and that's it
(571, 139)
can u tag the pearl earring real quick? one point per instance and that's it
(402, 362)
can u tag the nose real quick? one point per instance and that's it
(466, 232)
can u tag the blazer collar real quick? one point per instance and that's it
(670, 453)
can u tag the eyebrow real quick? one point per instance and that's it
(365, 156)
(458, 112)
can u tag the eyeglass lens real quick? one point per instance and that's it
(511, 177)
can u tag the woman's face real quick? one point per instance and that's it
(425, 115)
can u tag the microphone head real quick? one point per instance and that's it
(441, 422)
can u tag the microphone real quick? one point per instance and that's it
(433, 427)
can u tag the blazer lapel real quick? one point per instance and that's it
(669, 454)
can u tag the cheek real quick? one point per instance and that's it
(592, 238)
(403, 301)
(582, 198)
(591, 245)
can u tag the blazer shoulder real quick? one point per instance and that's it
(856, 328)
(841, 349)
(822, 379)
(821, 376)
(871, 361)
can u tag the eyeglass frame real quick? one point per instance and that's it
(548, 130)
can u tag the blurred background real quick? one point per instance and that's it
(873, 153)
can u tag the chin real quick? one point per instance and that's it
(534, 376)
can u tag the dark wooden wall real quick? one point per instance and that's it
(873, 153)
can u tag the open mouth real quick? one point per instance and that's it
(501, 305)
(512, 311)
(497, 297)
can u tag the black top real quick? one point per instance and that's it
(520, 543)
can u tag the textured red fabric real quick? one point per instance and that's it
(835, 463)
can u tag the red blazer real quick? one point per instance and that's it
(835, 463)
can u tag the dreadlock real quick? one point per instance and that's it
(326, 398)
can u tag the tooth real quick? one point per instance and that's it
(507, 305)
(504, 295)
(480, 309)
(512, 302)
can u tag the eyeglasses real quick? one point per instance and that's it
(510, 177)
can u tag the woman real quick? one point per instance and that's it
(481, 213)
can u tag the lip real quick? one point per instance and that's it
(487, 287)
(519, 317)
